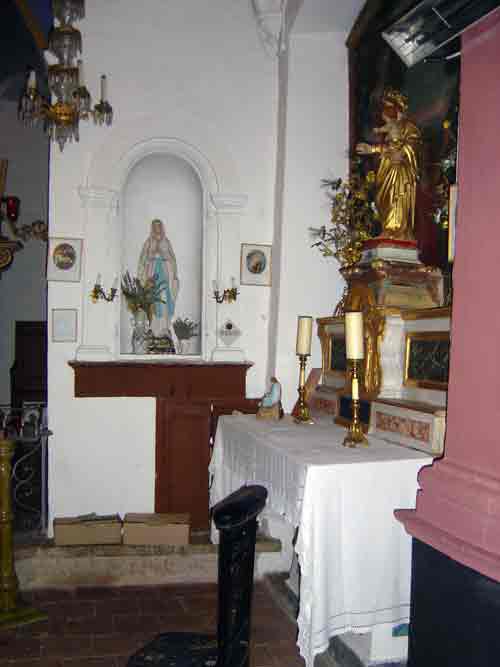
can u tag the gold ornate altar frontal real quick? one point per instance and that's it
(401, 301)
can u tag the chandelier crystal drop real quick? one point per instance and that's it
(70, 101)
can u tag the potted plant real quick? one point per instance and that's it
(141, 299)
(185, 329)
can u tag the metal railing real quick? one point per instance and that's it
(27, 428)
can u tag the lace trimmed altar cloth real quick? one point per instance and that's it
(355, 558)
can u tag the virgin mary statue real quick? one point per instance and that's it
(157, 262)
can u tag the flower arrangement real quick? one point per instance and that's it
(353, 217)
(185, 328)
(141, 296)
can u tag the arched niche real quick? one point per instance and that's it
(104, 202)
(164, 188)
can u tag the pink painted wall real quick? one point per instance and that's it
(474, 393)
(458, 507)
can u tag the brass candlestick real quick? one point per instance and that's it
(303, 415)
(12, 612)
(355, 435)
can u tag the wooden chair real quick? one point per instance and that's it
(236, 519)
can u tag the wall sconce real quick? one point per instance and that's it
(226, 296)
(98, 293)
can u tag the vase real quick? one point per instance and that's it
(139, 333)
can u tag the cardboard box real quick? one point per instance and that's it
(171, 529)
(87, 529)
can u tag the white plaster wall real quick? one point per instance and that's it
(23, 286)
(191, 71)
(316, 148)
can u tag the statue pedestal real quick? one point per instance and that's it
(398, 284)
(390, 250)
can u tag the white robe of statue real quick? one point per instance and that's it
(157, 261)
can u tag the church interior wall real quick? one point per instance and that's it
(173, 78)
(315, 148)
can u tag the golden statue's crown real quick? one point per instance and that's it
(395, 98)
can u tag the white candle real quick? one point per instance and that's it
(354, 335)
(355, 389)
(215, 286)
(98, 279)
(115, 283)
(304, 333)
(32, 80)
(233, 282)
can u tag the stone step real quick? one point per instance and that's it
(47, 565)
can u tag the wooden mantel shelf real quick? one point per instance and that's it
(191, 380)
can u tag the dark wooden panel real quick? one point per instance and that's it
(182, 456)
(28, 375)
(177, 381)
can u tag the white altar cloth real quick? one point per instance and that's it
(355, 558)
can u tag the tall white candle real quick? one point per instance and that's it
(304, 334)
(354, 335)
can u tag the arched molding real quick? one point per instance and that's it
(178, 133)
(168, 146)
(224, 205)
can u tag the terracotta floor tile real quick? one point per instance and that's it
(101, 627)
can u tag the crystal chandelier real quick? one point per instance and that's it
(70, 100)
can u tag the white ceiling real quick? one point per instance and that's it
(327, 15)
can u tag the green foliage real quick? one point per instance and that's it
(353, 218)
(141, 296)
(185, 328)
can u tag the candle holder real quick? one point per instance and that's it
(303, 415)
(227, 296)
(12, 611)
(98, 293)
(355, 435)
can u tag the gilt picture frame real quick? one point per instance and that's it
(64, 259)
(255, 264)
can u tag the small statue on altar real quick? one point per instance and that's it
(397, 174)
(270, 405)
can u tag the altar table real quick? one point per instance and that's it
(354, 557)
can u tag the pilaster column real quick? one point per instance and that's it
(101, 245)
(458, 506)
(227, 210)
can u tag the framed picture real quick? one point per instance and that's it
(64, 260)
(64, 325)
(427, 359)
(255, 264)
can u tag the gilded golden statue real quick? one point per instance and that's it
(397, 174)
